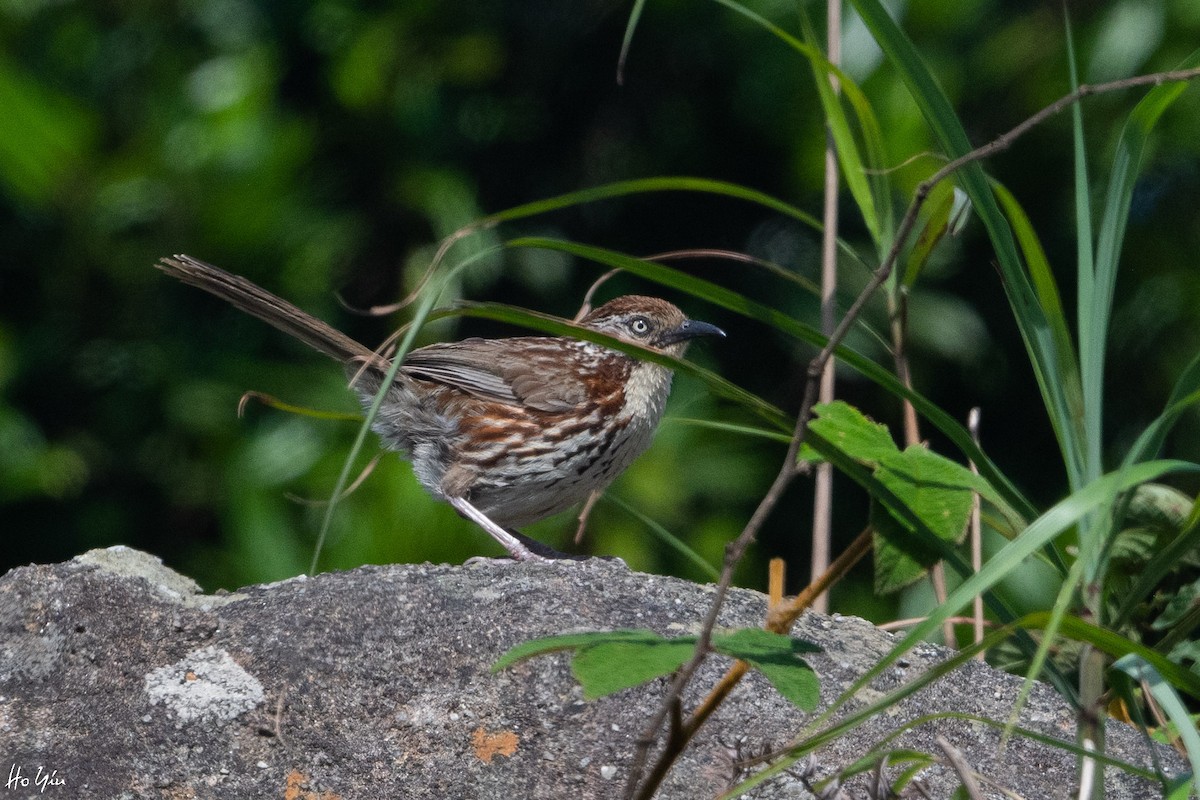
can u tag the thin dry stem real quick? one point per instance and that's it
(976, 535)
(959, 762)
(901, 624)
(776, 574)
(822, 521)
(584, 514)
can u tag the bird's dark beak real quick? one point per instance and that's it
(690, 329)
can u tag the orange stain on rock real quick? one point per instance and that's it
(489, 745)
(295, 789)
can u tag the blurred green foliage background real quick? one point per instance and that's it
(326, 147)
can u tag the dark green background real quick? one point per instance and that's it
(322, 147)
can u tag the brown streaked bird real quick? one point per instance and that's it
(507, 431)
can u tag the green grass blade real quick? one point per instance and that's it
(1114, 644)
(845, 146)
(1038, 335)
(1096, 309)
(1059, 518)
(733, 301)
(1091, 397)
(555, 326)
(1184, 395)
(666, 537)
(635, 14)
(729, 427)
(1044, 284)
(1063, 601)
(870, 187)
(933, 223)
(423, 310)
(1138, 670)
(883, 706)
(618, 189)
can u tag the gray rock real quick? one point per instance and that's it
(124, 680)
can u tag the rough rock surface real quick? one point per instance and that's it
(119, 679)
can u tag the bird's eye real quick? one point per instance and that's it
(639, 325)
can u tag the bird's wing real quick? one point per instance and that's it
(526, 371)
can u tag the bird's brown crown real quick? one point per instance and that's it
(647, 321)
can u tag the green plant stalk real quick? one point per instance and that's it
(1091, 667)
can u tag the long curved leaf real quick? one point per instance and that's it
(1052, 375)
(1095, 310)
(672, 183)
(738, 303)
(869, 186)
(1045, 529)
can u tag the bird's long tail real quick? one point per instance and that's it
(270, 308)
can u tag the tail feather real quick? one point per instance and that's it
(270, 308)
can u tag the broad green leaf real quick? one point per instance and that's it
(607, 662)
(777, 657)
(756, 644)
(852, 432)
(569, 641)
(609, 667)
(1181, 603)
(901, 559)
(940, 493)
(938, 490)
(1164, 561)
(1186, 651)
(935, 490)
(795, 680)
(1160, 507)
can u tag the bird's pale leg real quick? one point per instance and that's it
(509, 542)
